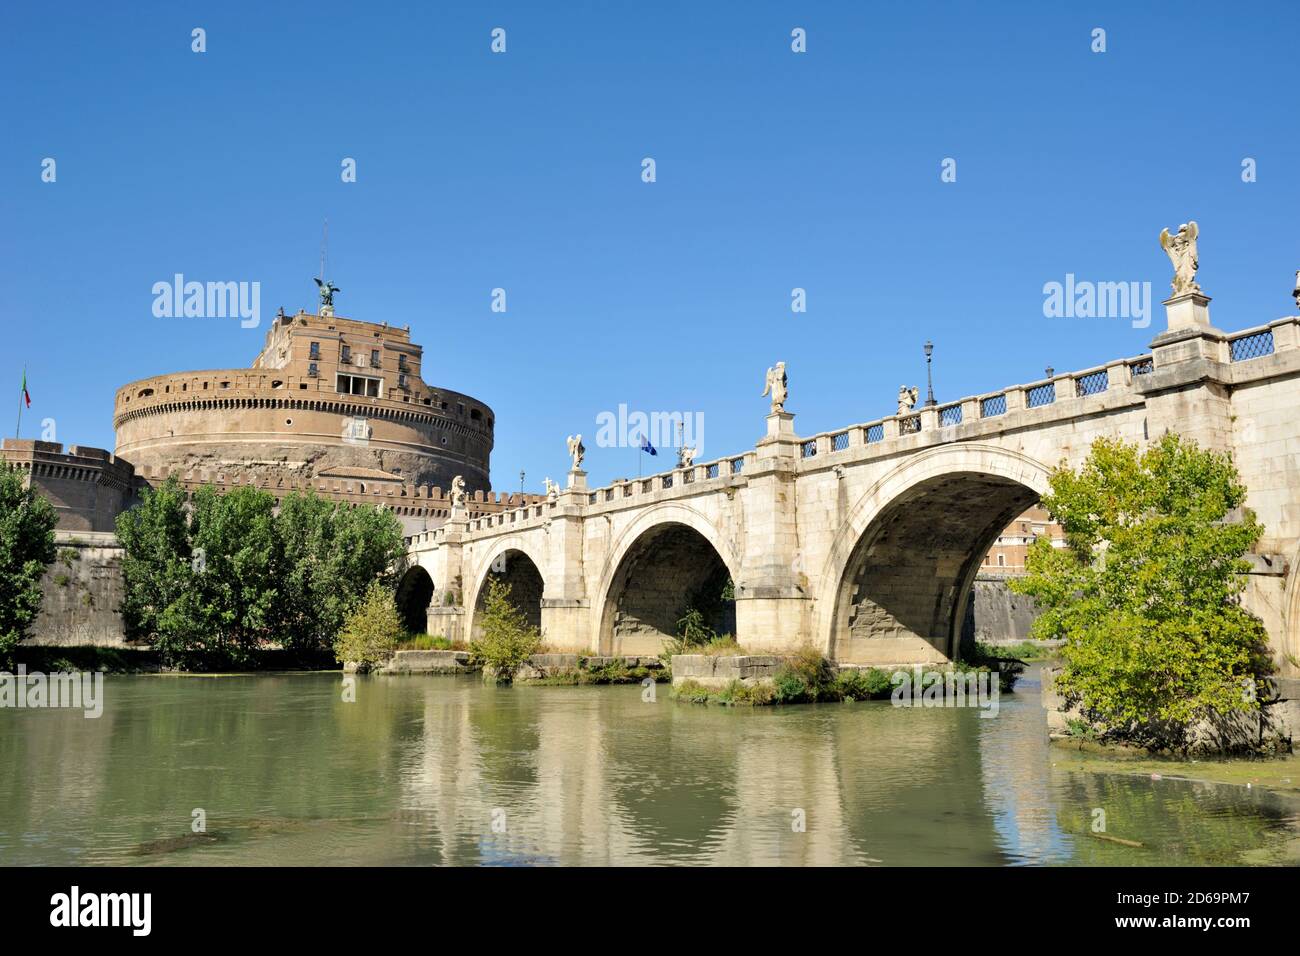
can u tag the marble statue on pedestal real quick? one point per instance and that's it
(458, 495)
(907, 398)
(777, 386)
(576, 451)
(1181, 249)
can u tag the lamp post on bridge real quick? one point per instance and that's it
(929, 382)
(521, 481)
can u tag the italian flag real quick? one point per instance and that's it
(26, 395)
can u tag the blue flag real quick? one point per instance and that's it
(646, 446)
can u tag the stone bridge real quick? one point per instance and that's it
(865, 541)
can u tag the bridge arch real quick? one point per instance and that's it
(517, 562)
(414, 592)
(668, 556)
(895, 585)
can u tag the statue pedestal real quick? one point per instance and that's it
(577, 479)
(780, 425)
(1191, 310)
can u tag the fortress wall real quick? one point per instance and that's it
(81, 593)
(88, 487)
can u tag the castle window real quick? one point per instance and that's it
(357, 385)
(401, 363)
(374, 358)
(313, 371)
(475, 414)
(277, 384)
(346, 355)
(315, 351)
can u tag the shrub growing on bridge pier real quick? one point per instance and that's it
(1146, 595)
(507, 641)
(371, 631)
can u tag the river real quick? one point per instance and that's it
(445, 770)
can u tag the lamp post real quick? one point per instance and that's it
(521, 481)
(929, 382)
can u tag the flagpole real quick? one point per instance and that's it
(21, 397)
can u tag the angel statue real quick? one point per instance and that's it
(1296, 292)
(907, 398)
(775, 383)
(576, 451)
(552, 488)
(458, 492)
(327, 290)
(685, 457)
(1181, 249)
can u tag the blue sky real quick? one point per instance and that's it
(522, 171)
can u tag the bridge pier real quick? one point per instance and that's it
(772, 599)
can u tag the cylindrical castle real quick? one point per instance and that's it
(327, 398)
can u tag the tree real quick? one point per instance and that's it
(372, 629)
(1146, 594)
(331, 553)
(27, 522)
(508, 640)
(158, 571)
(228, 574)
(234, 592)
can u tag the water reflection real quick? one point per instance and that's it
(448, 771)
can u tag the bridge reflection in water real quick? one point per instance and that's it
(445, 770)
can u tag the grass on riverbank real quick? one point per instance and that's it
(610, 672)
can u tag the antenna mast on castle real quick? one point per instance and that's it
(324, 245)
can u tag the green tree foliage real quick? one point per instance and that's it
(27, 523)
(507, 640)
(371, 631)
(1146, 595)
(331, 554)
(225, 575)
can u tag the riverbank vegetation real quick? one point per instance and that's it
(1146, 595)
(601, 671)
(371, 631)
(508, 640)
(27, 523)
(222, 577)
(806, 677)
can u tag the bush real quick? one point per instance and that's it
(508, 640)
(1147, 593)
(869, 684)
(370, 633)
(27, 523)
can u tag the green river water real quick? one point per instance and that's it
(446, 770)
